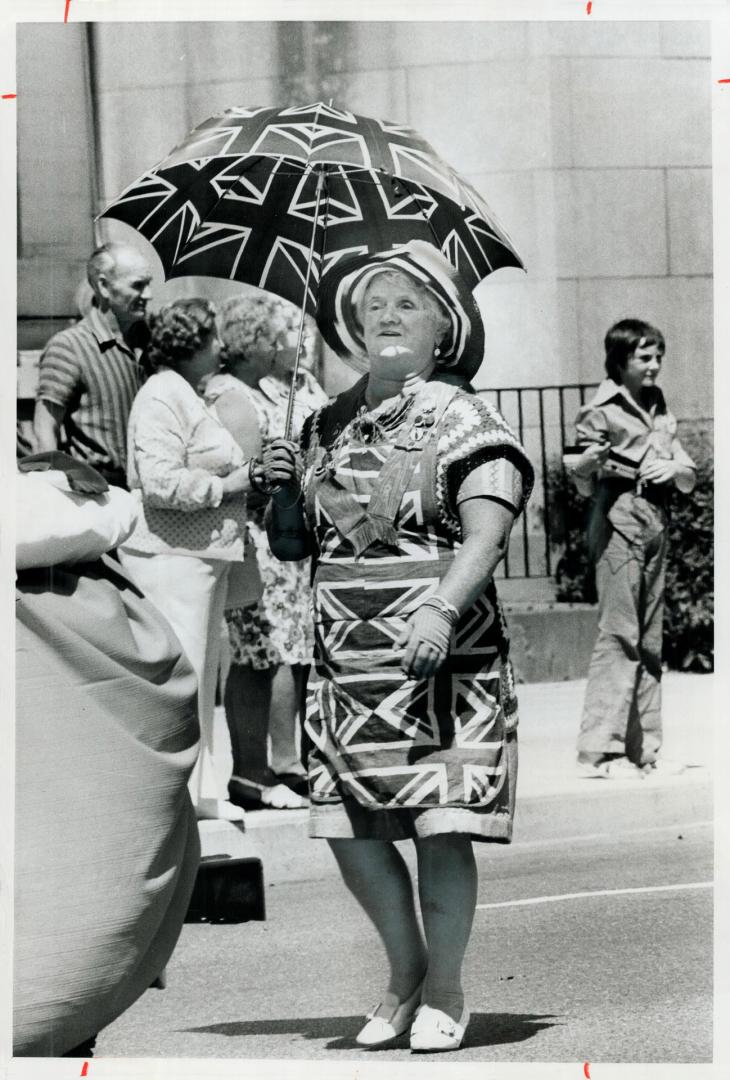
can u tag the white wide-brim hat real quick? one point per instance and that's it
(462, 349)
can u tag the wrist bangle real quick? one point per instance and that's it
(442, 605)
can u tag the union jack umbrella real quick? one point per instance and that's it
(275, 197)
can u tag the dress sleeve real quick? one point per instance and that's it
(498, 479)
(157, 441)
(478, 455)
(59, 372)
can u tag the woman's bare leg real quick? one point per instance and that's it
(286, 699)
(377, 876)
(447, 889)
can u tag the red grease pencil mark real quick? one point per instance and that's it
(65, 19)
(6, 97)
(587, 1065)
(723, 80)
(85, 1069)
(589, 7)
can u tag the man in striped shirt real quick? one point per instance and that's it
(90, 372)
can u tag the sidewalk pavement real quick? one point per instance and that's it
(552, 801)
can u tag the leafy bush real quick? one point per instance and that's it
(568, 519)
(689, 597)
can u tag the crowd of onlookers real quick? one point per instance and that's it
(175, 406)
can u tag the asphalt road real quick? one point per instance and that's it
(605, 975)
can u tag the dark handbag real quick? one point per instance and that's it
(81, 477)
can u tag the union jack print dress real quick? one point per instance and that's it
(382, 489)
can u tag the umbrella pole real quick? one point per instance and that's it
(293, 389)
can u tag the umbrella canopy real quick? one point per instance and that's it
(277, 197)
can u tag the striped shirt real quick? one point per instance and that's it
(90, 371)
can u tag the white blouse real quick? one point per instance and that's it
(178, 454)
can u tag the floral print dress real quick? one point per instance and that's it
(278, 628)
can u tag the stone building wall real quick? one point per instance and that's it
(591, 141)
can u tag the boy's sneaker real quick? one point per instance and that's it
(663, 767)
(588, 771)
(621, 768)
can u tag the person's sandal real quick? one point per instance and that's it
(253, 796)
(296, 781)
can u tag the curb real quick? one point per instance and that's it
(280, 837)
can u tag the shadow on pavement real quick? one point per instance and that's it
(485, 1029)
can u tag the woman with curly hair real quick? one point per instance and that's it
(191, 478)
(272, 640)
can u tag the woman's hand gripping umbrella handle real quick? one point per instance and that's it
(286, 525)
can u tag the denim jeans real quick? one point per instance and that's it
(622, 708)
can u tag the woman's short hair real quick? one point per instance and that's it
(246, 321)
(178, 330)
(432, 305)
(621, 341)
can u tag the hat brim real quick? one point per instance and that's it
(462, 349)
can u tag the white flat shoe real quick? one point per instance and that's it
(382, 1029)
(434, 1031)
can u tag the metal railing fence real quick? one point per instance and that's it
(542, 417)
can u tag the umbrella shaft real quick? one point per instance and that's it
(295, 372)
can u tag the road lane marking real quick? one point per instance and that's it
(578, 837)
(598, 892)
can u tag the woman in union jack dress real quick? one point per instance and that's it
(411, 483)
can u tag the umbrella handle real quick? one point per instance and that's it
(295, 371)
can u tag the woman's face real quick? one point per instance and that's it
(208, 357)
(642, 368)
(256, 360)
(396, 320)
(204, 363)
(287, 350)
